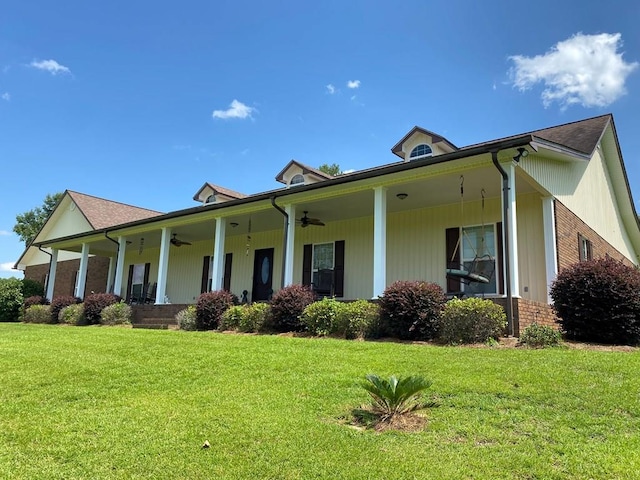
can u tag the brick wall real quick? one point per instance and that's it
(526, 312)
(97, 272)
(568, 227)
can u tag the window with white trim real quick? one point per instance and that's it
(421, 151)
(479, 257)
(323, 259)
(585, 248)
(297, 179)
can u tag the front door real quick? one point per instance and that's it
(262, 275)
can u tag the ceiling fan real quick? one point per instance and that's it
(306, 221)
(177, 242)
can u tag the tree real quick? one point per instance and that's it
(29, 223)
(333, 169)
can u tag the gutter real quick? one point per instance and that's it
(285, 238)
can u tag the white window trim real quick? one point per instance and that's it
(493, 280)
(417, 157)
(313, 255)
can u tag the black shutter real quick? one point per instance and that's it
(338, 269)
(226, 281)
(453, 258)
(500, 259)
(307, 256)
(129, 284)
(204, 283)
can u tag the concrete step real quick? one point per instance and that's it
(155, 320)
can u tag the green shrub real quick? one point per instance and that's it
(471, 320)
(232, 317)
(599, 301)
(321, 318)
(254, 317)
(363, 320)
(540, 336)
(287, 305)
(37, 314)
(395, 396)
(58, 303)
(411, 310)
(95, 303)
(72, 315)
(186, 318)
(116, 314)
(209, 308)
(10, 299)
(32, 288)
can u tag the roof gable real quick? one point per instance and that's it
(400, 149)
(294, 167)
(222, 194)
(102, 213)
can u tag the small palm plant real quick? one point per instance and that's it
(396, 396)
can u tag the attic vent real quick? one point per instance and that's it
(422, 150)
(210, 199)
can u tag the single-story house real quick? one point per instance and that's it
(497, 219)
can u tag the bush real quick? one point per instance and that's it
(35, 300)
(322, 318)
(471, 320)
(540, 336)
(254, 317)
(72, 315)
(37, 314)
(363, 320)
(599, 301)
(32, 288)
(95, 303)
(210, 307)
(58, 303)
(116, 314)
(10, 299)
(396, 396)
(411, 310)
(287, 305)
(187, 318)
(231, 318)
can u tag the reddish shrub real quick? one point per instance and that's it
(599, 301)
(35, 300)
(58, 303)
(95, 303)
(287, 305)
(209, 308)
(411, 310)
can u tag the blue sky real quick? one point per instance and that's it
(142, 102)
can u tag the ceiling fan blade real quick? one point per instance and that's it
(315, 221)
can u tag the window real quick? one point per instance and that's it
(585, 248)
(420, 151)
(478, 247)
(297, 179)
(322, 267)
(210, 199)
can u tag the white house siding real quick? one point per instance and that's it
(531, 259)
(585, 188)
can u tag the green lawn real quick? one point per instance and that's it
(99, 402)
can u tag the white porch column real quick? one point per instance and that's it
(110, 275)
(82, 271)
(51, 280)
(513, 231)
(117, 284)
(379, 241)
(550, 249)
(217, 275)
(291, 237)
(163, 265)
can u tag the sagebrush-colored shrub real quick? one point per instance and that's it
(540, 336)
(116, 314)
(471, 320)
(254, 317)
(363, 319)
(58, 303)
(11, 299)
(72, 315)
(599, 301)
(95, 303)
(231, 318)
(411, 309)
(322, 318)
(209, 308)
(32, 288)
(186, 318)
(287, 305)
(37, 314)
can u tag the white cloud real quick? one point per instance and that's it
(353, 84)
(50, 66)
(331, 89)
(353, 97)
(236, 110)
(5, 233)
(349, 170)
(5, 96)
(584, 69)
(7, 267)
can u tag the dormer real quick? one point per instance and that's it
(210, 193)
(296, 173)
(421, 144)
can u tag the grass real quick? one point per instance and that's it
(100, 402)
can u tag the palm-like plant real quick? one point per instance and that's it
(396, 396)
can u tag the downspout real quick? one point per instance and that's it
(285, 238)
(505, 240)
(46, 287)
(106, 234)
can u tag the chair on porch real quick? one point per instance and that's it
(150, 295)
(137, 292)
(323, 282)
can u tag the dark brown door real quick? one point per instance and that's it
(262, 275)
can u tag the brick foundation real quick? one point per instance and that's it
(527, 312)
(97, 272)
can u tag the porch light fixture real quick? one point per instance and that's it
(522, 153)
(402, 196)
